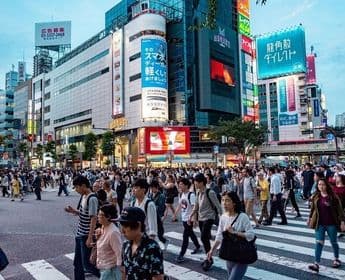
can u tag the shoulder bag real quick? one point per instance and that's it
(237, 249)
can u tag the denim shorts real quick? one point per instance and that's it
(111, 273)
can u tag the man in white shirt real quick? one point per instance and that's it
(276, 198)
(186, 204)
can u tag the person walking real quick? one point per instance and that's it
(308, 180)
(87, 213)
(290, 186)
(263, 187)
(109, 244)
(235, 222)
(120, 188)
(62, 184)
(326, 215)
(249, 194)
(276, 198)
(5, 185)
(206, 209)
(142, 258)
(186, 204)
(170, 194)
(339, 190)
(37, 185)
(16, 188)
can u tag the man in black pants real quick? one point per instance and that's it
(276, 199)
(290, 186)
(186, 204)
(207, 207)
(37, 183)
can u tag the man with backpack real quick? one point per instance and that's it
(186, 204)
(87, 212)
(207, 209)
(142, 201)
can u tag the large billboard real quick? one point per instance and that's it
(222, 72)
(243, 7)
(117, 49)
(162, 140)
(281, 53)
(311, 75)
(288, 114)
(52, 33)
(154, 80)
(243, 25)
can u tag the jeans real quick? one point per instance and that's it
(113, 273)
(205, 230)
(81, 259)
(320, 240)
(188, 232)
(236, 271)
(64, 189)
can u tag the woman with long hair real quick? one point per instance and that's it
(170, 194)
(242, 228)
(326, 215)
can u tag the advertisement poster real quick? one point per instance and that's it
(243, 25)
(311, 75)
(287, 101)
(222, 73)
(154, 79)
(117, 73)
(160, 140)
(243, 7)
(281, 53)
(52, 33)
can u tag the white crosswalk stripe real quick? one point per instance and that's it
(1, 278)
(42, 270)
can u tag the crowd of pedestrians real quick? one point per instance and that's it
(122, 212)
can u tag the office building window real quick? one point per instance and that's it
(135, 77)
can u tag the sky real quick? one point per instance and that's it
(324, 24)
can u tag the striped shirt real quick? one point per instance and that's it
(86, 212)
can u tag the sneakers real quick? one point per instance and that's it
(206, 265)
(282, 223)
(167, 242)
(314, 267)
(267, 223)
(196, 251)
(180, 259)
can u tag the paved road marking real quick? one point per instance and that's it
(252, 272)
(1, 278)
(176, 271)
(42, 270)
(293, 237)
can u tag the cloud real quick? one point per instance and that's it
(299, 9)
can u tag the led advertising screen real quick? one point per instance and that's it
(117, 73)
(287, 101)
(243, 25)
(246, 44)
(243, 7)
(154, 79)
(161, 140)
(311, 75)
(222, 73)
(52, 33)
(281, 53)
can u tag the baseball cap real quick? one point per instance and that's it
(132, 214)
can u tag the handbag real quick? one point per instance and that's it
(237, 249)
(93, 255)
(3, 260)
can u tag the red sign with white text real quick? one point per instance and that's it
(161, 140)
(246, 44)
(311, 75)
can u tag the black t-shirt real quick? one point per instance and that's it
(308, 178)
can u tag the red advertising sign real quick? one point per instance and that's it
(141, 141)
(311, 75)
(162, 140)
(222, 72)
(243, 7)
(246, 44)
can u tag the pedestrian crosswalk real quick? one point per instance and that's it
(284, 253)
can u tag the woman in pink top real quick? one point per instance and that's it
(109, 244)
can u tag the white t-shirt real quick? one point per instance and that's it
(186, 206)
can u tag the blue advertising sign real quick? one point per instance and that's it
(154, 63)
(316, 108)
(288, 119)
(281, 53)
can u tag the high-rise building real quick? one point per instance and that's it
(290, 102)
(340, 120)
(43, 62)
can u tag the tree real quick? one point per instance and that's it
(39, 152)
(107, 144)
(23, 148)
(241, 136)
(50, 149)
(90, 143)
(210, 19)
(73, 151)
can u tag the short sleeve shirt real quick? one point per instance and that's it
(145, 263)
(186, 205)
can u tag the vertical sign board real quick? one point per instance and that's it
(316, 108)
(243, 7)
(154, 79)
(243, 25)
(287, 101)
(311, 75)
(281, 53)
(117, 49)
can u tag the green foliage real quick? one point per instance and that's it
(23, 148)
(39, 152)
(240, 134)
(73, 151)
(50, 149)
(90, 143)
(108, 144)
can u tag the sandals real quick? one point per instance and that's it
(314, 267)
(336, 264)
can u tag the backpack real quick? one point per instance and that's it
(216, 221)
(98, 225)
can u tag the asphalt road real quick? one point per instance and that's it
(34, 232)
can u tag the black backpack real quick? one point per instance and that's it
(216, 221)
(159, 220)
